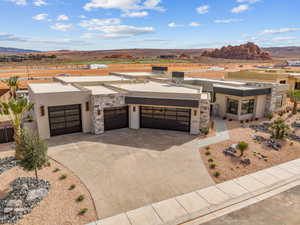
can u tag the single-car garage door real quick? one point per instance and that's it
(65, 119)
(115, 118)
(165, 118)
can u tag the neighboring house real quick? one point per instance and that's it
(293, 63)
(273, 76)
(4, 95)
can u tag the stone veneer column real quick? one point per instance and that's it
(204, 114)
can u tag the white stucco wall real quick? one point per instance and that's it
(134, 116)
(260, 106)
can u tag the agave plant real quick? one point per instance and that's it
(16, 109)
(279, 129)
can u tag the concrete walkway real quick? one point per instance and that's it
(222, 134)
(206, 204)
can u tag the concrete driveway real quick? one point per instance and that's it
(126, 169)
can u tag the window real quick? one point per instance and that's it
(297, 86)
(247, 107)
(87, 106)
(232, 106)
(282, 82)
(279, 101)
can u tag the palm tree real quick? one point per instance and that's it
(13, 84)
(15, 109)
(295, 99)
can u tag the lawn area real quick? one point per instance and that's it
(260, 155)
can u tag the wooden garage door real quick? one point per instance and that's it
(115, 118)
(65, 119)
(165, 118)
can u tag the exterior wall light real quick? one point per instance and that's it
(42, 110)
(133, 108)
(98, 112)
(87, 106)
(195, 112)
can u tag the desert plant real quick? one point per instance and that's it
(80, 198)
(72, 187)
(207, 153)
(210, 160)
(270, 115)
(212, 166)
(279, 129)
(295, 99)
(207, 147)
(63, 177)
(15, 109)
(216, 174)
(56, 170)
(13, 84)
(34, 152)
(242, 146)
(82, 211)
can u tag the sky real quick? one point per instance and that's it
(122, 24)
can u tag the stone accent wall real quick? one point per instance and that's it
(98, 104)
(204, 114)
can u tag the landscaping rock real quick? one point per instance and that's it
(36, 194)
(7, 163)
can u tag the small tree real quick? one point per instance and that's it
(34, 152)
(13, 84)
(242, 146)
(295, 99)
(279, 129)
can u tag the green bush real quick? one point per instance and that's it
(63, 177)
(207, 153)
(212, 166)
(210, 160)
(242, 146)
(56, 170)
(217, 174)
(207, 147)
(72, 187)
(80, 198)
(82, 211)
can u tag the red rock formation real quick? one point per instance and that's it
(247, 51)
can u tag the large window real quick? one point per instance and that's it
(247, 106)
(297, 86)
(232, 106)
(279, 101)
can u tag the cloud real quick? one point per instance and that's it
(124, 5)
(97, 24)
(240, 8)
(284, 38)
(62, 18)
(194, 24)
(248, 1)
(19, 2)
(39, 3)
(279, 31)
(227, 20)
(61, 27)
(135, 14)
(40, 17)
(175, 25)
(203, 9)
(10, 37)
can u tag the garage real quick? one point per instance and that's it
(116, 118)
(64, 119)
(165, 118)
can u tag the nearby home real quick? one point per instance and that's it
(290, 77)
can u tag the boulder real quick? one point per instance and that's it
(14, 203)
(36, 194)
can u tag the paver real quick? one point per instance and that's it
(231, 188)
(169, 210)
(265, 177)
(213, 195)
(192, 202)
(249, 183)
(290, 168)
(144, 216)
(120, 219)
(279, 172)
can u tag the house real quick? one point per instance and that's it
(101, 103)
(290, 77)
(293, 63)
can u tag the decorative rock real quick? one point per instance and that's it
(36, 194)
(14, 203)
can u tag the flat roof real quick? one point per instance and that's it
(156, 87)
(136, 74)
(215, 80)
(239, 87)
(52, 88)
(85, 79)
(100, 90)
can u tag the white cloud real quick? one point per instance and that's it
(40, 17)
(10, 37)
(194, 24)
(175, 25)
(227, 20)
(135, 14)
(284, 38)
(82, 17)
(123, 31)
(248, 1)
(97, 24)
(240, 8)
(61, 27)
(203, 9)
(19, 2)
(39, 3)
(281, 30)
(62, 18)
(124, 5)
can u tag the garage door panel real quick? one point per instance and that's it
(116, 118)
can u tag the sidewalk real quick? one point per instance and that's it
(203, 205)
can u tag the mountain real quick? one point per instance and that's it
(292, 52)
(4, 50)
(249, 51)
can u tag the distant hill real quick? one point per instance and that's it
(4, 50)
(291, 52)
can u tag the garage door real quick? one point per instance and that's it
(165, 118)
(64, 119)
(115, 118)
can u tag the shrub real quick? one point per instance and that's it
(56, 170)
(212, 166)
(207, 153)
(82, 211)
(72, 187)
(242, 146)
(291, 143)
(210, 160)
(217, 174)
(230, 119)
(63, 177)
(270, 115)
(224, 118)
(279, 129)
(242, 121)
(207, 147)
(80, 198)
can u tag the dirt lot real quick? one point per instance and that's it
(230, 168)
(59, 206)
